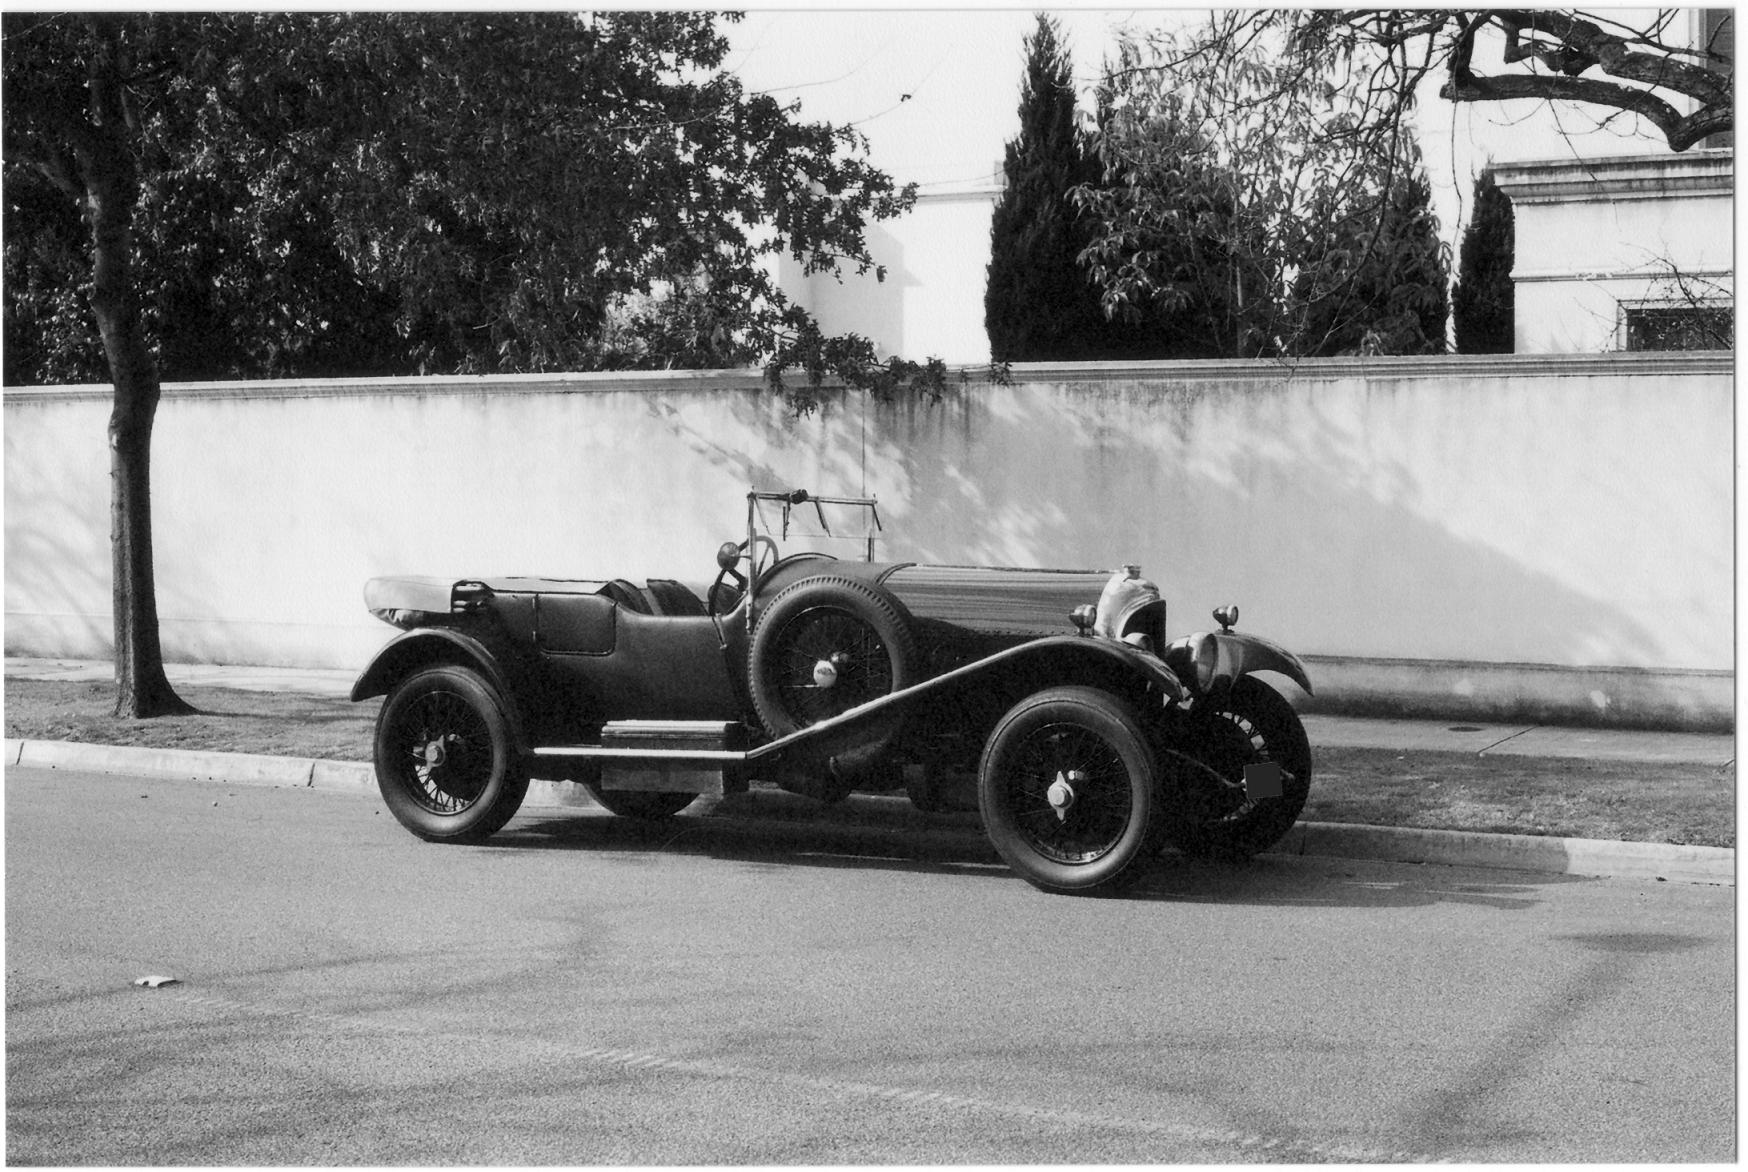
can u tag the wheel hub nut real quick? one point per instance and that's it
(1060, 795)
(825, 674)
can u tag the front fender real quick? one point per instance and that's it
(1240, 655)
(1063, 659)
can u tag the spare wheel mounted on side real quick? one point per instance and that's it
(826, 645)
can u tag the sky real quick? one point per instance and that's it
(936, 91)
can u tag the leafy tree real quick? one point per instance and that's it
(1416, 279)
(1041, 302)
(1165, 247)
(1382, 287)
(268, 194)
(1484, 298)
(1229, 208)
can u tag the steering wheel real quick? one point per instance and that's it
(727, 557)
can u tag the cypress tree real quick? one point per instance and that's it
(1038, 304)
(1484, 298)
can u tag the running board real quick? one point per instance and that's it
(664, 756)
(706, 756)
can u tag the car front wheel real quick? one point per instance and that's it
(1067, 788)
(1251, 726)
(445, 761)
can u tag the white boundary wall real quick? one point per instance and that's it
(1522, 537)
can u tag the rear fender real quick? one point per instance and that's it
(434, 647)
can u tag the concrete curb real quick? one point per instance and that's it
(1590, 857)
(237, 768)
(1593, 858)
(234, 768)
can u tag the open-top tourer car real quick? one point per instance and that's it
(1093, 739)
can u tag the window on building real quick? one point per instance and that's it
(1680, 327)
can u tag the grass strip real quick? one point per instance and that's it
(1629, 801)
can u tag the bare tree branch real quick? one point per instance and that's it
(1686, 91)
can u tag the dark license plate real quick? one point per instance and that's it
(1262, 780)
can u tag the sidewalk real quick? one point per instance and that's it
(1521, 852)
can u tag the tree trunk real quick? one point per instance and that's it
(107, 167)
(142, 688)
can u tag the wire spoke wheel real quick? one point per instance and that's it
(828, 661)
(1067, 788)
(445, 753)
(1252, 725)
(826, 645)
(1228, 743)
(444, 759)
(1069, 791)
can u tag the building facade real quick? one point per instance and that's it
(1632, 253)
(930, 304)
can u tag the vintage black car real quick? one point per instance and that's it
(1093, 739)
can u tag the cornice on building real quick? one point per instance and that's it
(1701, 173)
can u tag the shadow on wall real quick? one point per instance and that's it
(1331, 543)
(1504, 520)
(47, 564)
(56, 562)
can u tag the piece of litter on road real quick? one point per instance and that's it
(156, 982)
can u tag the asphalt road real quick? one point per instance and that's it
(583, 991)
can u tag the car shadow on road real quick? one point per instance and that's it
(839, 838)
(775, 841)
(1320, 881)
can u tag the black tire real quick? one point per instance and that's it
(1097, 832)
(445, 761)
(1250, 725)
(648, 805)
(824, 646)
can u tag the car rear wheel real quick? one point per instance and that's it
(1067, 788)
(445, 761)
(1251, 726)
(649, 805)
